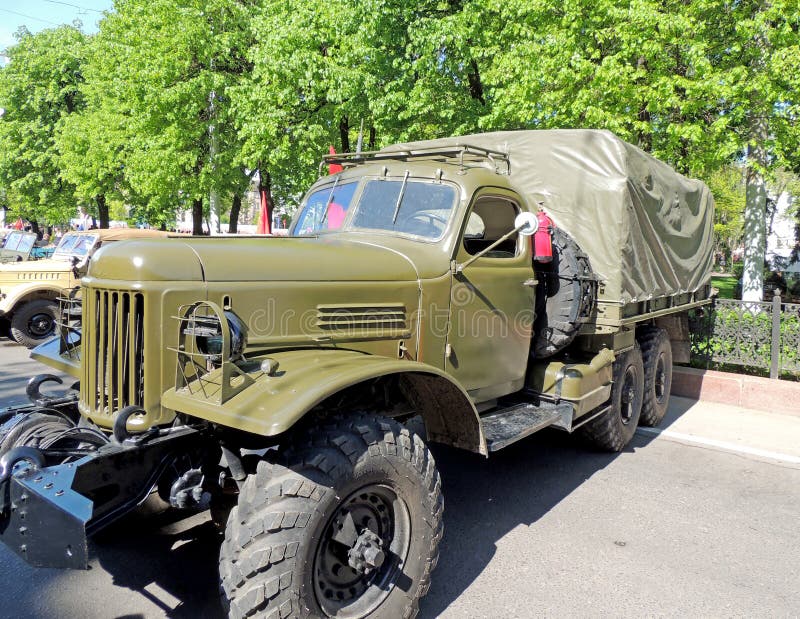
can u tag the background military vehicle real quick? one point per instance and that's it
(16, 246)
(29, 290)
(489, 285)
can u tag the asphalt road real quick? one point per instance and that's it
(543, 528)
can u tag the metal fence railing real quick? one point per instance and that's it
(754, 337)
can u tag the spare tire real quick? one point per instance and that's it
(566, 295)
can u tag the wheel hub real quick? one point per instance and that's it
(40, 325)
(361, 552)
(628, 396)
(660, 379)
(367, 553)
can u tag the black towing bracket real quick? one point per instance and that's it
(48, 513)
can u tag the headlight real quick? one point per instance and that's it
(210, 339)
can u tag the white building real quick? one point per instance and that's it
(781, 240)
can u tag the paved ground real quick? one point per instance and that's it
(701, 520)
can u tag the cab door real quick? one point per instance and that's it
(491, 301)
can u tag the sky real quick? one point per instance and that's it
(40, 14)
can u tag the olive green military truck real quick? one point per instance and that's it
(488, 286)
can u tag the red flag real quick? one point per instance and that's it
(334, 168)
(263, 218)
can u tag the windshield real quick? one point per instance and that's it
(19, 241)
(326, 209)
(75, 245)
(415, 208)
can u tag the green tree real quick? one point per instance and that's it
(729, 189)
(39, 88)
(160, 71)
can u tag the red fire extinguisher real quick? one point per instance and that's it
(542, 239)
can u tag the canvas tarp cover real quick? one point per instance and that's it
(648, 230)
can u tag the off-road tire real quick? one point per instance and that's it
(28, 334)
(285, 511)
(657, 358)
(614, 429)
(565, 296)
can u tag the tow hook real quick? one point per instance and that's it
(33, 391)
(16, 455)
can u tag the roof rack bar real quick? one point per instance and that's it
(457, 153)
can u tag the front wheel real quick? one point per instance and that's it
(347, 526)
(34, 322)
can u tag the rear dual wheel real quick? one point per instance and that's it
(614, 429)
(348, 525)
(657, 356)
(640, 393)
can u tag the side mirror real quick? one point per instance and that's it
(526, 224)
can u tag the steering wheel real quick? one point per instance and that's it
(423, 224)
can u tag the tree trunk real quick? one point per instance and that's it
(102, 210)
(755, 214)
(197, 217)
(755, 209)
(372, 138)
(344, 134)
(233, 226)
(265, 199)
(475, 84)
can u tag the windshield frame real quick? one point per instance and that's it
(62, 252)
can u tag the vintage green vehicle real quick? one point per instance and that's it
(467, 291)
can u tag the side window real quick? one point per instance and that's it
(491, 217)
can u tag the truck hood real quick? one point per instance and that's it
(242, 259)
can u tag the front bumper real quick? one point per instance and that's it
(47, 514)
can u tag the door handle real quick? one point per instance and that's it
(531, 281)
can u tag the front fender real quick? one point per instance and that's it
(50, 353)
(305, 378)
(34, 290)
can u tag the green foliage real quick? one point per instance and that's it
(725, 285)
(39, 88)
(728, 186)
(173, 99)
(162, 131)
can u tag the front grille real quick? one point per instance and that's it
(113, 350)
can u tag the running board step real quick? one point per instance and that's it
(504, 427)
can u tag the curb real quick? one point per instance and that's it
(754, 392)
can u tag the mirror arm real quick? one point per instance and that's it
(486, 250)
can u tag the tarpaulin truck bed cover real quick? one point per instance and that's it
(648, 230)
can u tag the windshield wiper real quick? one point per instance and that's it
(400, 198)
(328, 202)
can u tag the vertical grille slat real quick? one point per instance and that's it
(116, 357)
(114, 372)
(138, 366)
(102, 342)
